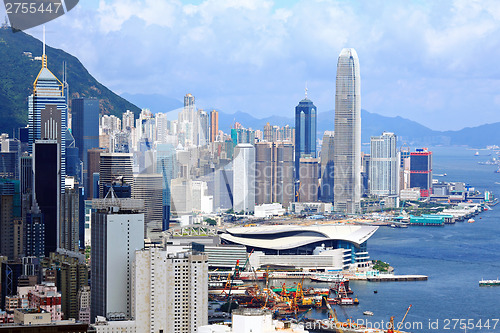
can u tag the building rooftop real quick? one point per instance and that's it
(281, 237)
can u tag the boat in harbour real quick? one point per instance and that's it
(484, 283)
(325, 277)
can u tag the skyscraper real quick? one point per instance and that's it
(34, 233)
(189, 107)
(202, 128)
(69, 229)
(242, 135)
(384, 175)
(26, 174)
(85, 129)
(114, 165)
(73, 162)
(404, 167)
(308, 189)
(117, 232)
(93, 166)
(305, 131)
(162, 126)
(171, 291)
(214, 125)
(165, 165)
(347, 155)
(274, 172)
(128, 120)
(11, 152)
(148, 187)
(327, 167)
(268, 133)
(244, 178)
(421, 171)
(223, 188)
(47, 114)
(7, 195)
(46, 171)
(186, 121)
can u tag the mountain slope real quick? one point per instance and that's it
(478, 137)
(18, 72)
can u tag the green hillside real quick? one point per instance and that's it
(18, 71)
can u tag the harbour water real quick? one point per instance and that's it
(454, 257)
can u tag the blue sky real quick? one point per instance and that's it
(435, 62)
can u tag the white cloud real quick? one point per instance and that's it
(423, 60)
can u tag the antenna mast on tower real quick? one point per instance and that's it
(44, 57)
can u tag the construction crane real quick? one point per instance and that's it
(297, 194)
(400, 325)
(230, 282)
(303, 315)
(333, 315)
(391, 327)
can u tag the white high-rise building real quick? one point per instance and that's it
(146, 126)
(244, 178)
(347, 141)
(202, 128)
(170, 291)
(384, 171)
(117, 232)
(128, 120)
(110, 124)
(186, 122)
(161, 127)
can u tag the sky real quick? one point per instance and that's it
(435, 62)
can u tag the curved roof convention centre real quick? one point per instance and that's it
(283, 237)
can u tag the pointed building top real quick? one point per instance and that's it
(306, 89)
(45, 74)
(35, 209)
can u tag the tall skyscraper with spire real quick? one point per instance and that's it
(47, 119)
(47, 114)
(305, 131)
(347, 141)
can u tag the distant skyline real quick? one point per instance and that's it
(432, 62)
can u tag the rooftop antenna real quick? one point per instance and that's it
(306, 89)
(44, 57)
